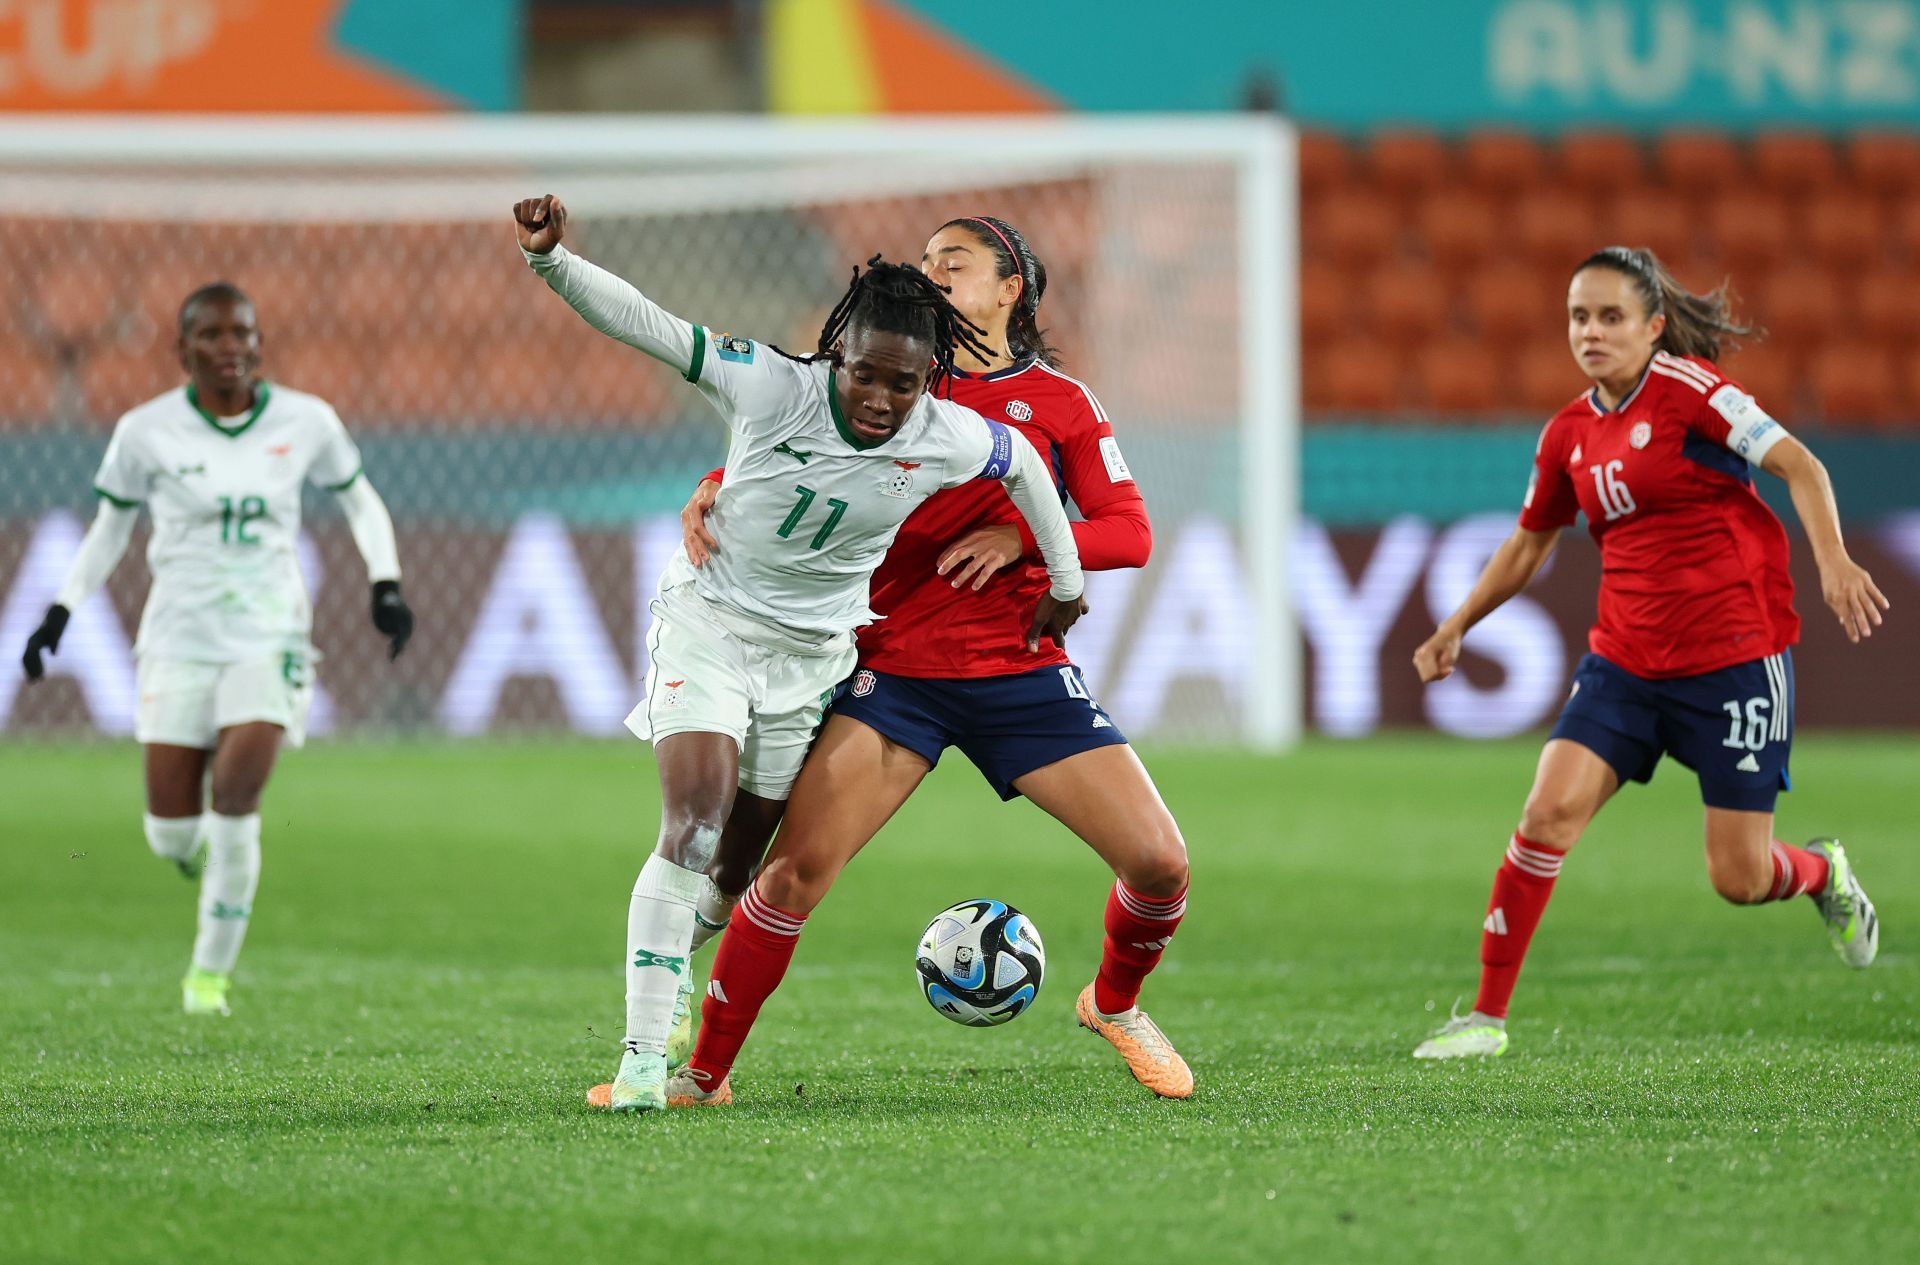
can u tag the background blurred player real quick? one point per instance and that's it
(1690, 651)
(224, 650)
(946, 667)
(830, 454)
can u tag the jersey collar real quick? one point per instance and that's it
(840, 420)
(1013, 370)
(262, 391)
(1601, 410)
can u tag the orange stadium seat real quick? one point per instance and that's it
(1772, 375)
(1599, 163)
(1855, 385)
(1750, 233)
(27, 381)
(1904, 231)
(339, 370)
(1503, 162)
(1845, 230)
(1886, 163)
(1352, 377)
(1326, 162)
(1409, 163)
(1556, 229)
(1326, 303)
(1354, 229)
(1405, 303)
(1909, 403)
(1800, 306)
(1887, 306)
(1794, 162)
(1545, 378)
(1510, 303)
(1696, 163)
(1650, 219)
(1460, 229)
(1456, 375)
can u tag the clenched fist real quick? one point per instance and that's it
(541, 222)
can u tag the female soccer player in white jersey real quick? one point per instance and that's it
(829, 455)
(1690, 652)
(225, 661)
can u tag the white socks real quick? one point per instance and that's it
(710, 914)
(226, 890)
(172, 838)
(659, 935)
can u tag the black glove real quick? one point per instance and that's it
(45, 638)
(391, 616)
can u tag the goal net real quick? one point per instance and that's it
(535, 469)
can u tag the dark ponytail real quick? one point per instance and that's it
(1697, 324)
(1013, 257)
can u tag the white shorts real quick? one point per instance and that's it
(709, 672)
(186, 704)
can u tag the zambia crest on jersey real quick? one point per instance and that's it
(901, 484)
(738, 350)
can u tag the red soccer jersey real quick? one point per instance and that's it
(1693, 565)
(927, 628)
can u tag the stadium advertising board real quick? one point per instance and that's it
(542, 627)
(1467, 62)
(254, 55)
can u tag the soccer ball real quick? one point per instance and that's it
(980, 963)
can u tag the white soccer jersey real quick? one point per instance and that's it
(224, 494)
(809, 509)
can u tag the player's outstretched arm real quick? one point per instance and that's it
(372, 528)
(1025, 477)
(1856, 601)
(100, 551)
(1512, 567)
(608, 303)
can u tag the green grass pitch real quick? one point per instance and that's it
(433, 979)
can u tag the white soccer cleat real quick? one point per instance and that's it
(687, 1088)
(680, 1039)
(205, 993)
(1852, 924)
(641, 1084)
(1470, 1036)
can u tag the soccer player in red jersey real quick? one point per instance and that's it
(950, 664)
(1690, 652)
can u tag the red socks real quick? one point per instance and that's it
(1796, 872)
(1138, 930)
(752, 960)
(1521, 888)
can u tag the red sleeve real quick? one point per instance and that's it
(1551, 502)
(715, 476)
(1117, 532)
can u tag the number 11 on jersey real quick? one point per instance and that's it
(799, 511)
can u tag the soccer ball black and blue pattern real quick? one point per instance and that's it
(980, 963)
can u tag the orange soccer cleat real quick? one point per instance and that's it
(1149, 1055)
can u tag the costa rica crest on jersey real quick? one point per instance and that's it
(1019, 410)
(1641, 434)
(900, 484)
(863, 682)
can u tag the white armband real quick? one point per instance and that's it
(1750, 432)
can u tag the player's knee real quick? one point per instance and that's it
(793, 886)
(1740, 882)
(1163, 870)
(1553, 819)
(691, 840)
(237, 795)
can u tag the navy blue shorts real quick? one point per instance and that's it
(1733, 728)
(1007, 725)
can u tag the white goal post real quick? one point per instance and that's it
(1172, 241)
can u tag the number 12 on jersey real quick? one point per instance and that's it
(799, 511)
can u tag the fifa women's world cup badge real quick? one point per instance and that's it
(901, 484)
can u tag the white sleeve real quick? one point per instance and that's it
(124, 471)
(1020, 470)
(372, 529)
(99, 553)
(618, 310)
(337, 463)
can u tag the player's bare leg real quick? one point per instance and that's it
(1106, 797)
(1570, 786)
(176, 780)
(743, 843)
(241, 763)
(1749, 866)
(853, 783)
(699, 776)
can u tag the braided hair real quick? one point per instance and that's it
(1013, 257)
(900, 299)
(1697, 324)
